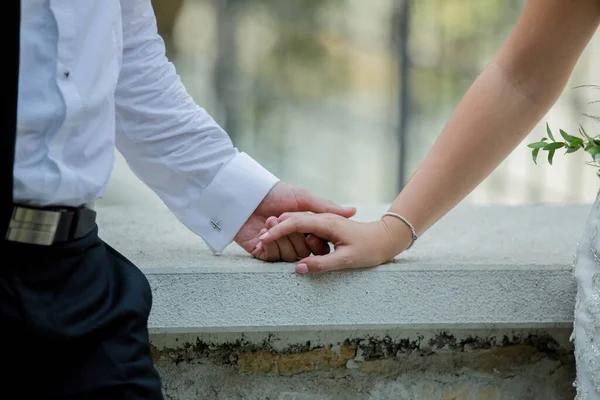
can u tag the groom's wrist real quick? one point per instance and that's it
(223, 207)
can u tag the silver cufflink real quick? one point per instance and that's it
(215, 225)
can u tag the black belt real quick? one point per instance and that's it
(47, 226)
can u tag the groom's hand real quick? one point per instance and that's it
(287, 198)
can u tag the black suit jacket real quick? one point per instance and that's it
(8, 112)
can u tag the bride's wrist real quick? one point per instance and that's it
(400, 235)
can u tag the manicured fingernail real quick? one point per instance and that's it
(264, 236)
(259, 246)
(301, 268)
(272, 222)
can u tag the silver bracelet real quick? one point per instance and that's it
(407, 222)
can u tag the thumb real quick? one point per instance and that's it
(318, 205)
(319, 264)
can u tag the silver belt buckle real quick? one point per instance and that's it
(33, 226)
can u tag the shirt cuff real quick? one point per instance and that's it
(226, 203)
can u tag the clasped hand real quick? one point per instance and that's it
(356, 244)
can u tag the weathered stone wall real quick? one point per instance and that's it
(324, 337)
(431, 365)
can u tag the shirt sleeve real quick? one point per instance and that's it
(174, 146)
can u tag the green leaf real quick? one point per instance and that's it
(549, 132)
(572, 149)
(593, 150)
(577, 142)
(537, 145)
(584, 133)
(554, 146)
(570, 139)
(534, 154)
(551, 156)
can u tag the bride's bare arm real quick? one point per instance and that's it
(501, 107)
(504, 103)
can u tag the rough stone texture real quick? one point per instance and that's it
(432, 365)
(477, 236)
(490, 266)
(208, 381)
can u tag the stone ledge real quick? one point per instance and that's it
(480, 267)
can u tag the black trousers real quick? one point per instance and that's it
(73, 323)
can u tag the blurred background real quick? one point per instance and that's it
(345, 97)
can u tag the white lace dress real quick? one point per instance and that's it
(586, 329)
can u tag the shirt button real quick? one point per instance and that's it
(67, 74)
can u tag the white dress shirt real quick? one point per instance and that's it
(94, 75)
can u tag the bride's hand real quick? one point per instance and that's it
(357, 244)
